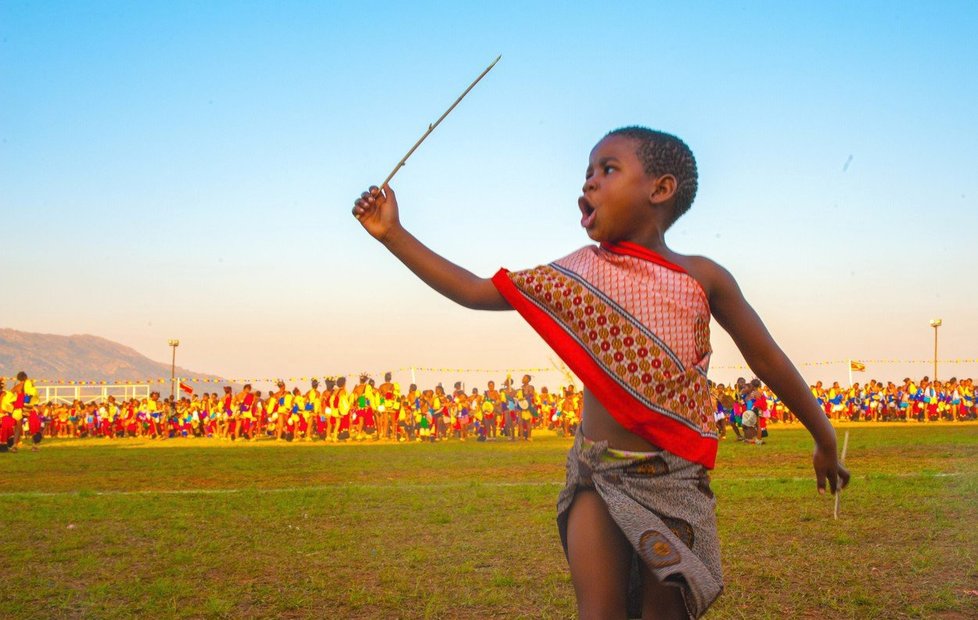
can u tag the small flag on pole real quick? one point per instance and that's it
(186, 388)
(857, 366)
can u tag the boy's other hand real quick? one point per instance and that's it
(376, 210)
(828, 469)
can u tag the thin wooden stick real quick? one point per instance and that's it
(838, 489)
(431, 128)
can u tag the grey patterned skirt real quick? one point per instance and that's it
(664, 506)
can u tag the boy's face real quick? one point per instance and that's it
(615, 204)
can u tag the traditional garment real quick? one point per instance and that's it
(30, 392)
(636, 329)
(247, 402)
(664, 506)
(7, 425)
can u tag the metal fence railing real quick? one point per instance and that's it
(67, 394)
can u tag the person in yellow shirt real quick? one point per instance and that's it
(299, 413)
(291, 413)
(282, 402)
(386, 399)
(373, 406)
(571, 410)
(442, 417)
(24, 392)
(395, 411)
(6, 399)
(344, 405)
(835, 397)
(331, 413)
(310, 410)
(112, 419)
(546, 407)
(245, 409)
(362, 418)
(61, 426)
(153, 410)
(463, 413)
(6, 418)
(968, 400)
(30, 393)
(477, 414)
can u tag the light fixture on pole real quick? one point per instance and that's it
(935, 323)
(173, 373)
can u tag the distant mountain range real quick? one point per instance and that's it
(50, 358)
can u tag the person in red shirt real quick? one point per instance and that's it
(6, 419)
(246, 405)
(34, 426)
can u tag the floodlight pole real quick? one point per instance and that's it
(173, 374)
(935, 323)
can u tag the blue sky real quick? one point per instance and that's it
(186, 170)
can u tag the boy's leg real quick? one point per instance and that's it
(660, 602)
(599, 556)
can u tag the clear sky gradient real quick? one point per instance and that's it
(186, 169)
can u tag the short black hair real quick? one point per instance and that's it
(663, 153)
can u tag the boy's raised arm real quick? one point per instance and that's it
(773, 367)
(376, 211)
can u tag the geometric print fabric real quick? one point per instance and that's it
(645, 325)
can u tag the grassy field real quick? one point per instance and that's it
(201, 528)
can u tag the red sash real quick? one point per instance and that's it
(636, 329)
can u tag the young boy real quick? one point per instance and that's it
(631, 318)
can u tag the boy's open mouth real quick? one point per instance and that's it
(588, 212)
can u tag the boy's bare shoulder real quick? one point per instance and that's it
(710, 274)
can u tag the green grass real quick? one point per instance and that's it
(205, 529)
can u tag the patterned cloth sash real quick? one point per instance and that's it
(636, 329)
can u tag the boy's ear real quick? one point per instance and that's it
(663, 189)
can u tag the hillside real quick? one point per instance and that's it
(49, 357)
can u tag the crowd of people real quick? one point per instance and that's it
(749, 405)
(337, 412)
(332, 412)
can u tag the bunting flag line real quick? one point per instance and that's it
(856, 366)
